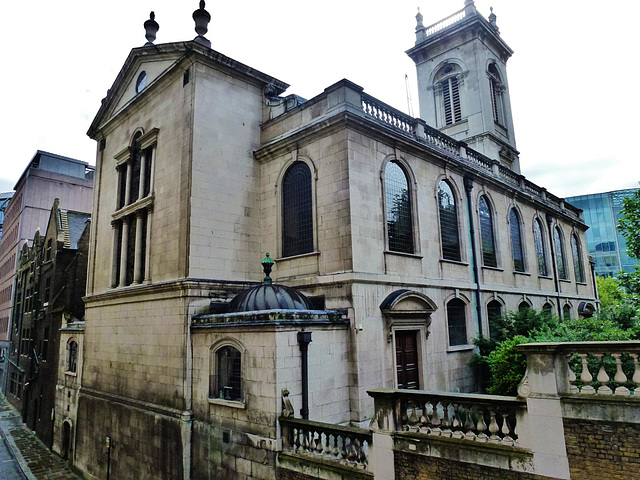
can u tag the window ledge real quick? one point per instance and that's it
(228, 403)
(402, 254)
(565, 280)
(497, 269)
(459, 348)
(139, 204)
(71, 374)
(547, 277)
(527, 274)
(455, 262)
(582, 283)
(302, 255)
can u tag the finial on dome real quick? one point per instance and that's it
(492, 20)
(421, 32)
(267, 265)
(151, 27)
(202, 19)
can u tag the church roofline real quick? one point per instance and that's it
(173, 49)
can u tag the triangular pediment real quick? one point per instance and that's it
(129, 85)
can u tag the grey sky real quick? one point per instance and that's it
(570, 78)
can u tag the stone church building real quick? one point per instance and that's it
(395, 241)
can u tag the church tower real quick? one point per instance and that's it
(461, 63)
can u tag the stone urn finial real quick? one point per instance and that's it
(420, 30)
(267, 265)
(151, 27)
(202, 19)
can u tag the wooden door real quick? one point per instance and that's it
(407, 359)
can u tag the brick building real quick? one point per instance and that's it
(51, 280)
(47, 177)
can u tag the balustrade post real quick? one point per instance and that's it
(384, 423)
(547, 377)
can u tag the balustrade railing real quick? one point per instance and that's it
(346, 445)
(444, 23)
(440, 140)
(595, 371)
(479, 160)
(592, 368)
(387, 114)
(477, 418)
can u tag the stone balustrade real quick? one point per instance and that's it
(462, 416)
(590, 368)
(387, 114)
(445, 22)
(345, 445)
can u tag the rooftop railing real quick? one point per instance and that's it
(445, 22)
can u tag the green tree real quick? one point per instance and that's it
(610, 291)
(629, 224)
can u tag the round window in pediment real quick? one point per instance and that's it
(141, 82)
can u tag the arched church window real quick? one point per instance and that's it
(561, 263)
(297, 210)
(516, 241)
(541, 256)
(398, 206)
(457, 322)
(578, 266)
(489, 258)
(449, 234)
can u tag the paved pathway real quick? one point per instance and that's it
(23, 455)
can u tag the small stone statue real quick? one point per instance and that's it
(287, 408)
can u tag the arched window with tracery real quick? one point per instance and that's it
(489, 257)
(516, 241)
(449, 234)
(541, 256)
(297, 210)
(398, 206)
(578, 265)
(561, 263)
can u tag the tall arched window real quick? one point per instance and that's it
(494, 314)
(489, 258)
(457, 322)
(448, 222)
(497, 89)
(297, 210)
(547, 309)
(447, 91)
(566, 312)
(558, 242)
(578, 266)
(226, 374)
(516, 241)
(398, 203)
(523, 307)
(72, 356)
(538, 238)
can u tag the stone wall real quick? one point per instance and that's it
(602, 449)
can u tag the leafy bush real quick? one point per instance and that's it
(507, 366)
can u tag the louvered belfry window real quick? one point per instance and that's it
(398, 203)
(540, 250)
(516, 241)
(451, 98)
(560, 257)
(297, 211)
(448, 222)
(578, 266)
(489, 258)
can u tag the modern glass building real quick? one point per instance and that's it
(606, 245)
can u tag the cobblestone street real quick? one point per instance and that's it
(23, 455)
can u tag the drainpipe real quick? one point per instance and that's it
(468, 186)
(304, 339)
(554, 263)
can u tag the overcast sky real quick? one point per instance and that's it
(571, 78)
